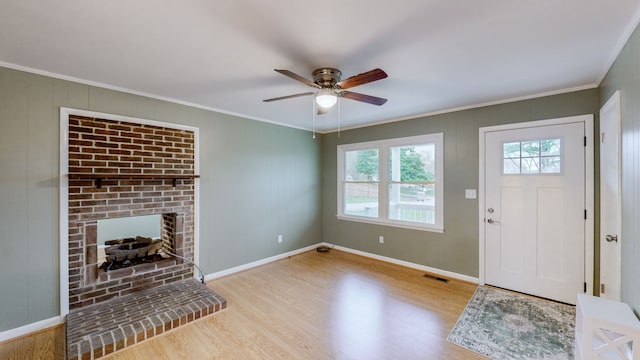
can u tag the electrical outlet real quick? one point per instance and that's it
(279, 239)
(381, 238)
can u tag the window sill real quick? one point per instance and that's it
(397, 224)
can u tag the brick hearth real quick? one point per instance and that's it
(100, 329)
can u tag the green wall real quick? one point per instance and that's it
(456, 249)
(624, 75)
(258, 180)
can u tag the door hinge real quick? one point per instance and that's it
(585, 141)
(601, 288)
(585, 214)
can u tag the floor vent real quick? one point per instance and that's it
(429, 276)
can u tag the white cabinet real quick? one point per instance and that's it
(606, 329)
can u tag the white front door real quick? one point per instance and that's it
(610, 201)
(535, 210)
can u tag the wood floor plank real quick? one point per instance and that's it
(321, 306)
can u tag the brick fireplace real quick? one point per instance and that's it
(122, 169)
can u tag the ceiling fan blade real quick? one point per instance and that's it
(297, 77)
(374, 100)
(288, 96)
(364, 78)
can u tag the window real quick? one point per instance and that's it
(532, 157)
(395, 182)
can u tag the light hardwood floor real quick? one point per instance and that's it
(320, 306)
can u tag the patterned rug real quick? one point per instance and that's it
(505, 326)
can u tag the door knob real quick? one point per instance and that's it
(491, 221)
(612, 238)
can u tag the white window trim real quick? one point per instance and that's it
(383, 195)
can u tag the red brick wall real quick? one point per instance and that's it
(99, 146)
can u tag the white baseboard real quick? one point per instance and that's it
(428, 269)
(30, 328)
(448, 274)
(257, 263)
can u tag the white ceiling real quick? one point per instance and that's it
(439, 54)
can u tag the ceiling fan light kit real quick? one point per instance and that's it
(326, 98)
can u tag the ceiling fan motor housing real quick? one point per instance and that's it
(326, 77)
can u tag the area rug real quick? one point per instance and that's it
(504, 326)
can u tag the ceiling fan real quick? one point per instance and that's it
(327, 80)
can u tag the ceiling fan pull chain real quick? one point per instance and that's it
(313, 114)
(339, 116)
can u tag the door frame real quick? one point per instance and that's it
(589, 246)
(613, 101)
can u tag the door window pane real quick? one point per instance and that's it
(550, 147)
(511, 166)
(531, 149)
(530, 165)
(550, 164)
(532, 157)
(511, 150)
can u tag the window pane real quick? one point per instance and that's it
(361, 199)
(530, 149)
(511, 166)
(361, 165)
(550, 147)
(550, 164)
(511, 150)
(414, 203)
(412, 163)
